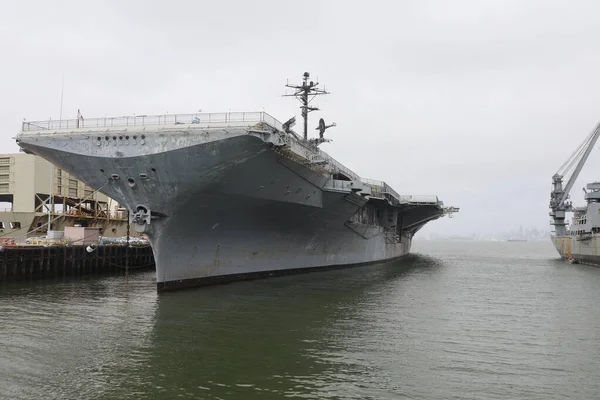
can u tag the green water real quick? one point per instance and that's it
(469, 320)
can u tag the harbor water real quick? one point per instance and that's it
(455, 320)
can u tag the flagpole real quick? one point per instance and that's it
(62, 88)
(50, 199)
(51, 192)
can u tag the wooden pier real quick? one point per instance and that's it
(19, 263)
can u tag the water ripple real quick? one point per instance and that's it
(453, 321)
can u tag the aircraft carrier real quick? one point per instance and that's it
(577, 241)
(238, 195)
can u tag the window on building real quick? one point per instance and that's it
(15, 225)
(3, 187)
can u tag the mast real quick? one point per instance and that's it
(302, 93)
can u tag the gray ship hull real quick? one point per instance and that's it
(244, 238)
(221, 205)
(584, 250)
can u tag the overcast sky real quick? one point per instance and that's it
(478, 102)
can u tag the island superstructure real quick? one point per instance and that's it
(237, 195)
(578, 241)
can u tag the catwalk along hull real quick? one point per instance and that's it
(584, 249)
(236, 201)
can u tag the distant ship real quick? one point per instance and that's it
(516, 240)
(576, 242)
(232, 196)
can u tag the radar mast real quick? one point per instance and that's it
(305, 93)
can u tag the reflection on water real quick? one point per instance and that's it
(276, 336)
(455, 320)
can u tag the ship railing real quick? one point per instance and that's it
(382, 188)
(204, 119)
(301, 150)
(317, 156)
(372, 182)
(420, 199)
(565, 222)
(339, 167)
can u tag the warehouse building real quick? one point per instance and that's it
(33, 192)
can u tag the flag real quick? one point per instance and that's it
(79, 116)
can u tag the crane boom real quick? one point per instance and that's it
(559, 196)
(580, 165)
